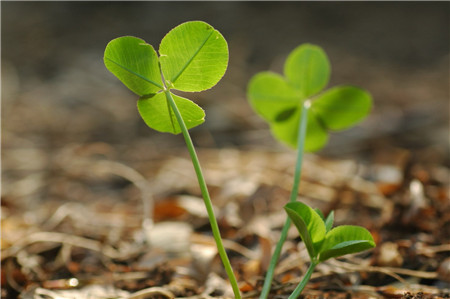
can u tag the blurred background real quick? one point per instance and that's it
(56, 90)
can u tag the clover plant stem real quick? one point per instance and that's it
(294, 193)
(304, 281)
(206, 197)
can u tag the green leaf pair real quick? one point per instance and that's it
(192, 57)
(279, 99)
(321, 240)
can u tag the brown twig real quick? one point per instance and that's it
(142, 294)
(62, 238)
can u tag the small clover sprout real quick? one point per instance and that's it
(279, 99)
(321, 240)
(300, 114)
(192, 57)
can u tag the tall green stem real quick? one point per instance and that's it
(294, 193)
(206, 197)
(304, 281)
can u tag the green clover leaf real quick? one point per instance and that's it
(135, 63)
(345, 239)
(309, 224)
(279, 99)
(159, 116)
(307, 69)
(192, 57)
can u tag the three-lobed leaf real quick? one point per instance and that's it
(193, 57)
(279, 99)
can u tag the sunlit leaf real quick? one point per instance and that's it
(345, 239)
(342, 107)
(158, 115)
(193, 56)
(309, 225)
(135, 63)
(307, 69)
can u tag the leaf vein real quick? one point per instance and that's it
(134, 73)
(192, 58)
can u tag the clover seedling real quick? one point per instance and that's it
(192, 57)
(301, 115)
(279, 99)
(321, 241)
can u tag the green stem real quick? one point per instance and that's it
(304, 281)
(294, 193)
(206, 197)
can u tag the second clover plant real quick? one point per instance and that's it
(321, 240)
(192, 57)
(279, 99)
(301, 114)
